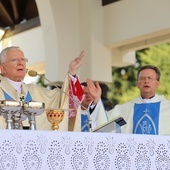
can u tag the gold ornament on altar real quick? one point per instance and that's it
(55, 116)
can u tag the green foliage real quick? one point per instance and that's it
(123, 87)
(40, 82)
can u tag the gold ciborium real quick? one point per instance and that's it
(55, 116)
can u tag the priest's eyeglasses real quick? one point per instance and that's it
(17, 60)
(150, 78)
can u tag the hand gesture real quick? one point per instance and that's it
(94, 90)
(75, 64)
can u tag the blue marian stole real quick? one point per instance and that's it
(146, 118)
(27, 99)
(84, 123)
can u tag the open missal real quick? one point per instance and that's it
(110, 125)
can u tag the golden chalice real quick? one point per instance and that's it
(55, 116)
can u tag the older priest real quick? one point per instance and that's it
(12, 87)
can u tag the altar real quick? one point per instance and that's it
(52, 150)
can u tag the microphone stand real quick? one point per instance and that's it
(68, 95)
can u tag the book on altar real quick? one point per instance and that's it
(111, 125)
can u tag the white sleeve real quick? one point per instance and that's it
(99, 115)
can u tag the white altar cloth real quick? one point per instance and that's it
(51, 150)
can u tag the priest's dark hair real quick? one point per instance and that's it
(158, 74)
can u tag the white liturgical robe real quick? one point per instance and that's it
(143, 116)
(53, 99)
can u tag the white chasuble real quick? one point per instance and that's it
(53, 99)
(143, 116)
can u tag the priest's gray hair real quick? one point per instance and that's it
(4, 52)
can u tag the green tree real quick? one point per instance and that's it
(123, 87)
(40, 81)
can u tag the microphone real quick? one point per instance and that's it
(33, 73)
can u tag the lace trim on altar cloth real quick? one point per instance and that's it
(90, 152)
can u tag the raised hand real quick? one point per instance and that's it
(75, 64)
(95, 90)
